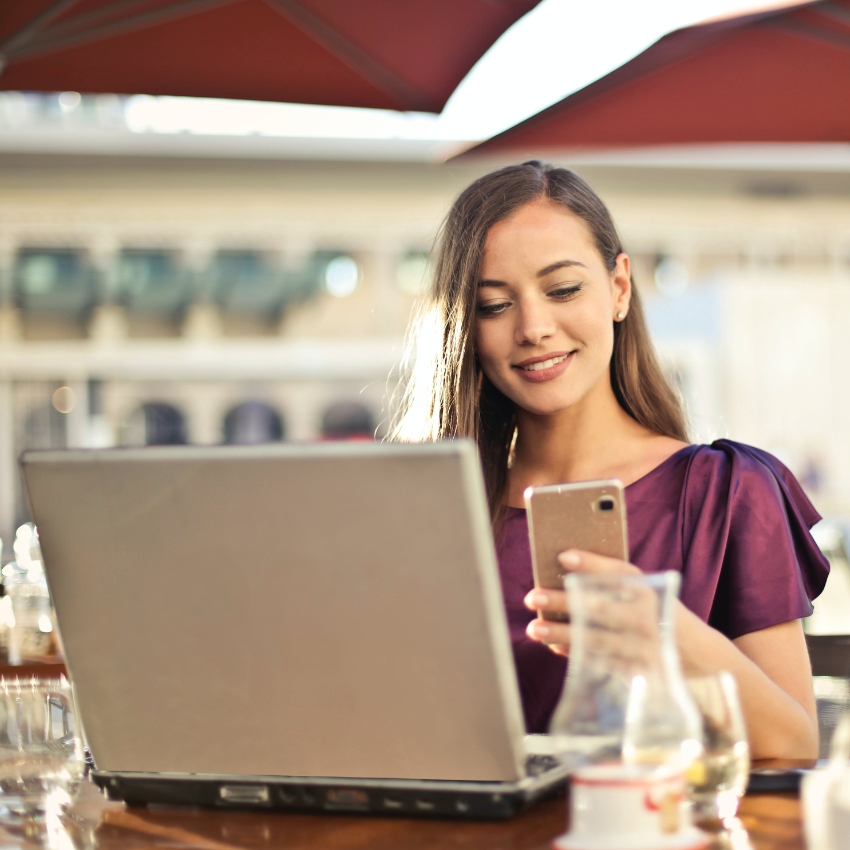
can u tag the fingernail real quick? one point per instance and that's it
(536, 599)
(570, 558)
(539, 629)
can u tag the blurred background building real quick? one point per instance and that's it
(222, 289)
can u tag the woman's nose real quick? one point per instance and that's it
(534, 324)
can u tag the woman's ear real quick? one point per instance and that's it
(621, 283)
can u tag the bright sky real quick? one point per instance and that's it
(558, 48)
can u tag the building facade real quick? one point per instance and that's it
(157, 299)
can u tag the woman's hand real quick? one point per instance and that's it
(555, 633)
(770, 666)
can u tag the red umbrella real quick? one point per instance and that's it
(392, 54)
(777, 76)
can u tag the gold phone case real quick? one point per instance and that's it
(588, 515)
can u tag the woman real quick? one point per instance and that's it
(540, 352)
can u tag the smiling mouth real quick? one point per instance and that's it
(544, 364)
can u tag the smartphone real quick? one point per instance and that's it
(589, 515)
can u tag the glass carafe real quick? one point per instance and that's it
(825, 794)
(625, 697)
(32, 634)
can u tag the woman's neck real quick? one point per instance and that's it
(593, 439)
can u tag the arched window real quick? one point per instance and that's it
(253, 422)
(347, 420)
(156, 424)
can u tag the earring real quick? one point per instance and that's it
(621, 315)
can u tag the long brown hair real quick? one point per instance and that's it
(447, 393)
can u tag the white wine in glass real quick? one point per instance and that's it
(718, 778)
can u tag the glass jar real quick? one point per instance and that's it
(625, 697)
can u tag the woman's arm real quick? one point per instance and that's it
(771, 666)
(774, 676)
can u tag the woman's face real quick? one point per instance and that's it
(544, 327)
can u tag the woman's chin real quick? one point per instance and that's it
(551, 406)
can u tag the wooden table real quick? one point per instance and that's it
(772, 820)
(41, 670)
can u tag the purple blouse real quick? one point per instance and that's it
(730, 518)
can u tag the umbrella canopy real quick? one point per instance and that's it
(391, 54)
(777, 76)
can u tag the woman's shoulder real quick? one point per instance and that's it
(739, 472)
(747, 517)
(726, 453)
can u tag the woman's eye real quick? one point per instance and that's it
(492, 309)
(564, 293)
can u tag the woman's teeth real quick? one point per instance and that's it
(544, 364)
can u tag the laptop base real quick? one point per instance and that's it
(407, 798)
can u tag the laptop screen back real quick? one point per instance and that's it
(329, 610)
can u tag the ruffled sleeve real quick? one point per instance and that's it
(748, 558)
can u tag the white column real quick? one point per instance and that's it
(108, 321)
(294, 256)
(8, 251)
(302, 404)
(103, 253)
(77, 422)
(10, 316)
(203, 320)
(382, 264)
(8, 467)
(196, 254)
(201, 406)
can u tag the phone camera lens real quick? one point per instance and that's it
(606, 503)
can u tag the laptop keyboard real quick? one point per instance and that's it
(537, 765)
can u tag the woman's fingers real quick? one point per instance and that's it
(554, 605)
(546, 601)
(550, 632)
(633, 610)
(626, 625)
(577, 561)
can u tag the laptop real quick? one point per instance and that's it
(290, 627)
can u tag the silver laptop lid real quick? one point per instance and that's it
(323, 610)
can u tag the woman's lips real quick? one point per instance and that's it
(544, 370)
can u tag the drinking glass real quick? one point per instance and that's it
(718, 778)
(41, 756)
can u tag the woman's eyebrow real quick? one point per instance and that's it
(552, 267)
(561, 264)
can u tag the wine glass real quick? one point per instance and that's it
(718, 778)
(41, 756)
